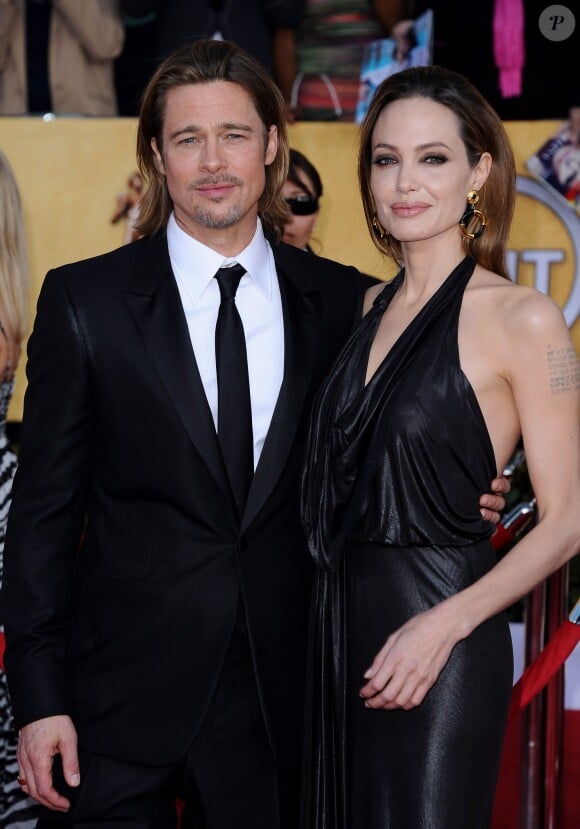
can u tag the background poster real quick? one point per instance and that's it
(556, 164)
(410, 44)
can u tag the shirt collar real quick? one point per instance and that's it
(196, 264)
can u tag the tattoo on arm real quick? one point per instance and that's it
(563, 370)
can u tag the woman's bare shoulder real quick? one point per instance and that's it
(520, 308)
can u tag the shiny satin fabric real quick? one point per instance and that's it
(434, 766)
(398, 464)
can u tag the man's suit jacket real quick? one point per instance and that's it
(128, 633)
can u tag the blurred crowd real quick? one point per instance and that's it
(95, 57)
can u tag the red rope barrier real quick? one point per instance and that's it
(548, 662)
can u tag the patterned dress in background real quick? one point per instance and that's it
(16, 810)
(329, 48)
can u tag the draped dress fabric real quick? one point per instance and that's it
(394, 472)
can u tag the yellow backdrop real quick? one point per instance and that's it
(70, 171)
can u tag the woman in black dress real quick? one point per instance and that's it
(411, 653)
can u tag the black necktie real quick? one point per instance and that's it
(234, 407)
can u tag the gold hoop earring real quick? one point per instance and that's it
(471, 215)
(378, 229)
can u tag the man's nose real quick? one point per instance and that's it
(212, 157)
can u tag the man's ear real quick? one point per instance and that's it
(158, 157)
(271, 145)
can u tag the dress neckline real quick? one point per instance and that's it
(464, 268)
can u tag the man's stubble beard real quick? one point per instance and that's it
(207, 219)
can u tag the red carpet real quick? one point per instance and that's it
(506, 813)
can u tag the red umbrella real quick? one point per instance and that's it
(547, 663)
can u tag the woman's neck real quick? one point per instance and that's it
(427, 265)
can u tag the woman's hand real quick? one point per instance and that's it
(410, 661)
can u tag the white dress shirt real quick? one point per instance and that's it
(259, 304)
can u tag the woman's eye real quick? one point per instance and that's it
(435, 158)
(384, 160)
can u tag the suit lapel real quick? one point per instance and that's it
(299, 347)
(155, 305)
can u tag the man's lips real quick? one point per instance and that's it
(216, 191)
(409, 209)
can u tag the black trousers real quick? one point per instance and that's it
(227, 780)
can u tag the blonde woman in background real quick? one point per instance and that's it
(15, 808)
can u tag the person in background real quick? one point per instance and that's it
(451, 365)
(16, 809)
(127, 208)
(136, 63)
(302, 191)
(58, 56)
(169, 383)
(324, 54)
(251, 24)
(481, 40)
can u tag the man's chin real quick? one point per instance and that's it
(213, 221)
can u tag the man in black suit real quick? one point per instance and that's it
(172, 645)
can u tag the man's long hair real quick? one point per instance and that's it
(208, 61)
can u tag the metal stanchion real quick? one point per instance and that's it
(542, 720)
(532, 780)
(557, 604)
